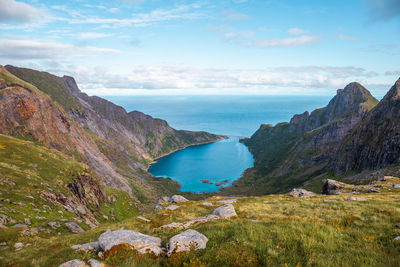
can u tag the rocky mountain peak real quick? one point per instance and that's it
(393, 93)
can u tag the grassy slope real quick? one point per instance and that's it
(270, 230)
(34, 169)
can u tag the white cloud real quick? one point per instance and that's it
(93, 35)
(348, 37)
(144, 19)
(284, 42)
(14, 11)
(234, 15)
(392, 73)
(27, 49)
(184, 79)
(297, 31)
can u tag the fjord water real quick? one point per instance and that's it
(235, 116)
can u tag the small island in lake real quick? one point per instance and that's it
(206, 181)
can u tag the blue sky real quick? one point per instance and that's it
(206, 47)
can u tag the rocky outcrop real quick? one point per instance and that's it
(74, 227)
(177, 199)
(374, 143)
(138, 241)
(299, 192)
(186, 241)
(332, 187)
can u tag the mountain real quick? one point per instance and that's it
(375, 142)
(288, 154)
(117, 145)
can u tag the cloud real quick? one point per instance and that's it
(392, 73)
(297, 31)
(159, 78)
(145, 19)
(93, 35)
(383, 10)
(27, 49)
(284, 42)
(13, 11)
(348, 37)
(234, 15)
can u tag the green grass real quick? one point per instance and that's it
(269, 231)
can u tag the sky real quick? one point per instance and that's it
(249, 47)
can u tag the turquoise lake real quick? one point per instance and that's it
(234, 116)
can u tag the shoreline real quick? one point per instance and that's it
(175, 150)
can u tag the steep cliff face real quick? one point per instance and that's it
(310, 140)
(375, 142)
(31, 114)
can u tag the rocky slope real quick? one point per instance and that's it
(375, 142)
(306, 145)
(118, 145)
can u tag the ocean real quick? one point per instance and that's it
(234, 116)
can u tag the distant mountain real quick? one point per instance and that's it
(117, 145)
(289, 154)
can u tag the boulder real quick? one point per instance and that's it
(138, 241)
(353, 198)
(396, 186)
(397, 239)
(96, 263)
(299, 192)
(172, 207)
(18, 246)
(19, 225)
(331, 187)
(186, 241)
(226, 211)
(173, 225)
(207, 204)
(200, 220)
(74, 263)
(54, 225)
(227, 201)
(74, 227)
(177, 199)
(92, 246)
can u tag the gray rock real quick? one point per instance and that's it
(353, 198)
(398, 225)
(226, 211)
(74, 227)
(138, 241)
(96, 263)
(3, 244)
(92, 246)
(173, 225)
(143, 219)
(172, 207)
(177, 199)
(18, 246)
(299, 192)
(3, 226)
(227, 201)
(397, 239)
(4, 219)
(54, 225)
(396, 186)
(372, 190)
(207, 204)
(27, 221)
(200, 220)
(74, 263)
(186, 241)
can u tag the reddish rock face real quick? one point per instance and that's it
(31, 114)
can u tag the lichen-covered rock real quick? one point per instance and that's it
(143, 219)
(186, 241)
(331, 187)
(172, 207)
(138, 241)
(298, 192)
(353, 198)
(92, 246)
(188, 224)
(226, 211)
(96, 263)
(74, 263)
(227, 201)
(177, 199)
(74, 227)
